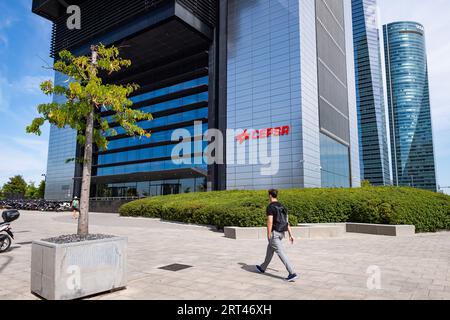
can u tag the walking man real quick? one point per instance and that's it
(277, 226)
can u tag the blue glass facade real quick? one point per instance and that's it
(373, 137)
(261, 64)
(62, 146)
(409, 106)
(289, 65)
(131, 155)
(335, 163)
(169, 44)
(334, 93)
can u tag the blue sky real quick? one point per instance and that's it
(24, 42)
(24, 51)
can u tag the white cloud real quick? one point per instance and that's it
(30, 84)
(5, 23)
(24, 156)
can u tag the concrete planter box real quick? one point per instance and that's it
(319, 231)
(76, 270)
(324, 230)
(309, 231)
(382, 229)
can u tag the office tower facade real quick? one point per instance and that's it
(409, 105)
(373, 136)
(290, 65)
(267, 70)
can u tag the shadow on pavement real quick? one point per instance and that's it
(252, 269)
(12, 248)
(5, 264)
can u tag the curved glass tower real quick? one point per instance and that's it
(373, 141)
(409, 105)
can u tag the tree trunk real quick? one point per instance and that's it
(83, 222)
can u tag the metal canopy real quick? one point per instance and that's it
(151, 176)
(52, 9)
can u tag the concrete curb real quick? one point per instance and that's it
(321, 231)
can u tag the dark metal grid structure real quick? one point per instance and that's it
(101, 16)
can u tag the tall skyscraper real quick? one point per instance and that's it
(291, 63)
(262, 68)
(373, 137)
(409, 105)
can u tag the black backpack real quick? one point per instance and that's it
(282, 218)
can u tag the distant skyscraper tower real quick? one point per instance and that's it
(373, 137)
(409, 105)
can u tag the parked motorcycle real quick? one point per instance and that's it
(35, 205)
(6, 235)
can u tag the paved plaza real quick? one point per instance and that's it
(416, 267)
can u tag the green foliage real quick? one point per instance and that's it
(41, 190)
(365, 184)
(428, 211)
(86, 90)
(16, 187)
(32, 191)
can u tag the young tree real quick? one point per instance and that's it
(41, 190)
(87, 94)
(31, 192)
(16, 187)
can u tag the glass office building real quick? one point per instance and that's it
(373, 137)
(290, 64)
(228, 65)
(409, 105)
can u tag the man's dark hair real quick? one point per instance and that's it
(273, 193)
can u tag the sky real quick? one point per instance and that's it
(24, 46)
(24, 53)
(434, 16)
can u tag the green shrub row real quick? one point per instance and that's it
(428, 211)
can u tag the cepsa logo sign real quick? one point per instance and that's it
(262, 134)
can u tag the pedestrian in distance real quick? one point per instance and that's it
(277, 226)
(75, 208)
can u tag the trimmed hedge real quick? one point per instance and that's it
(428, 211)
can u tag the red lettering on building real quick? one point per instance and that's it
(263, 134)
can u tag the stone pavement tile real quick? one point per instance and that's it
(205, 280)
(399, 296)
(421, 294)
(391, 288)
(431, 287)
(181, 283)
(439, 295)
(410, 267)
(190, 295)
(441, 283)
(353, 290)
(200, 286)
(323, 294)
(374, 297)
